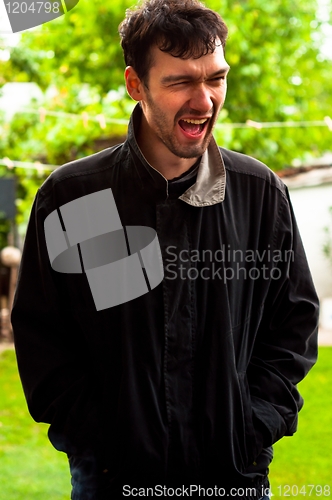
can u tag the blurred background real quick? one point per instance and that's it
(62, 97)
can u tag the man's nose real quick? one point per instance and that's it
(201, 99)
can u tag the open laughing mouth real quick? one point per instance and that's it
(193, 128)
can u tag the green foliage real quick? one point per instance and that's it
(277, 74)
(80, 47)
(5, 228)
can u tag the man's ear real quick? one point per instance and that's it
(133, 84)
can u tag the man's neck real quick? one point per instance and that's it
(168, 169)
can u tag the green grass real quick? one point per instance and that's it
(306, 458)
(30, 469)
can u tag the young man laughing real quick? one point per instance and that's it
(180, 102)
(164, 358)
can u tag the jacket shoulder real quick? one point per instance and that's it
(89, 165)
(246, 165)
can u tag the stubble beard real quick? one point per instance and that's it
(189, 151)
(165, 133)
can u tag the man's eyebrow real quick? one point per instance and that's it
(190, 78)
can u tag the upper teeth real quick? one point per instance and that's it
(196, 122)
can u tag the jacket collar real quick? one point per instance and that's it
(210, 184)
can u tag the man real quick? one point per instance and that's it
(165, 312)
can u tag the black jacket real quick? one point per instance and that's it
(193, 381)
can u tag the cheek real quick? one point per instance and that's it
(165, 104)
(220, 95)
(177, 100)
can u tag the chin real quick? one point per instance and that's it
(195, 151)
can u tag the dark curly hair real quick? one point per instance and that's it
(183, 28)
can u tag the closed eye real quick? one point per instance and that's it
(179, 83)
(217, 78)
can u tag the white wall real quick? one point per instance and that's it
(311, 207)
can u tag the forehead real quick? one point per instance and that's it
(164, 64)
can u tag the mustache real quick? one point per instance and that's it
(189, 112)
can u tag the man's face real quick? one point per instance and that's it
(182, 101)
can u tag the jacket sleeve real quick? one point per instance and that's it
(286, 344)
(52, 356)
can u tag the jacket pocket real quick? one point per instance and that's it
(250, 443)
